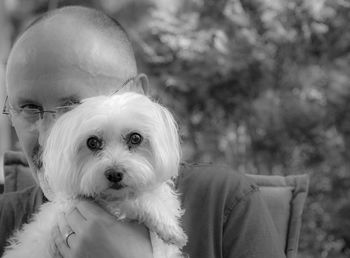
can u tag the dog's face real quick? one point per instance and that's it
(119, 144)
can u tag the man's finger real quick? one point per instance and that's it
(52, 245)
(89, 209)
(74, 219)
(54, 249)
(67, 233)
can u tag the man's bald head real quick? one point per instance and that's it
(93, 19)
(84, 38)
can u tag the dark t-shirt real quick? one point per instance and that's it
(224, 214)
(16, 209)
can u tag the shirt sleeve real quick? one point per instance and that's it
(225, 216)
(249, 231)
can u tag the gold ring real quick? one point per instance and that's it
(68, 235)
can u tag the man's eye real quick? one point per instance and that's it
(30, 107)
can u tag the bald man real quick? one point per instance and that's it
(74, 53)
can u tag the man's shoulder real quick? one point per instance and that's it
(210, 193)
(215, 179)
(25, 199)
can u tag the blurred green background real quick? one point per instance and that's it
(261, 85)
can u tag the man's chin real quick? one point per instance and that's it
(37, 164)
(38, 171)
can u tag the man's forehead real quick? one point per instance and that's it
(54, 72)
(83, 51)
(63, 89)
(32, 93)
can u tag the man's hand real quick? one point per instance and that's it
(98, 234)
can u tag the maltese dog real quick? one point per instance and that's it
(122, 151)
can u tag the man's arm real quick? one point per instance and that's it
(249, 230)
(225, 215)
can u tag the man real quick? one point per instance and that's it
(74, 53)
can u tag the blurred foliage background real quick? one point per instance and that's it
(261, 85)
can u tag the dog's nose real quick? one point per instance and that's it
(114, 176)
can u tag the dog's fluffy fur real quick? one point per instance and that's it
(77, 167)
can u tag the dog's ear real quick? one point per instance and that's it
(58, 155)
(169, 152)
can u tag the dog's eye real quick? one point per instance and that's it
(135, 139)
(94, 143)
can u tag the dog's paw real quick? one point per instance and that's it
(175, 237)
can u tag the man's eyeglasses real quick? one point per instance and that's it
(131, 79)
(32, 115)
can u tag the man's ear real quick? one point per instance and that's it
(141, 84)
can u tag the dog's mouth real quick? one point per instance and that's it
(117, 186)
(114, 192)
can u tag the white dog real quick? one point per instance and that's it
(121, 150)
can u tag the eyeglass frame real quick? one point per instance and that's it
(6, 107)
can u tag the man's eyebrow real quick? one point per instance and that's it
(74, 99)
(27, 100)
